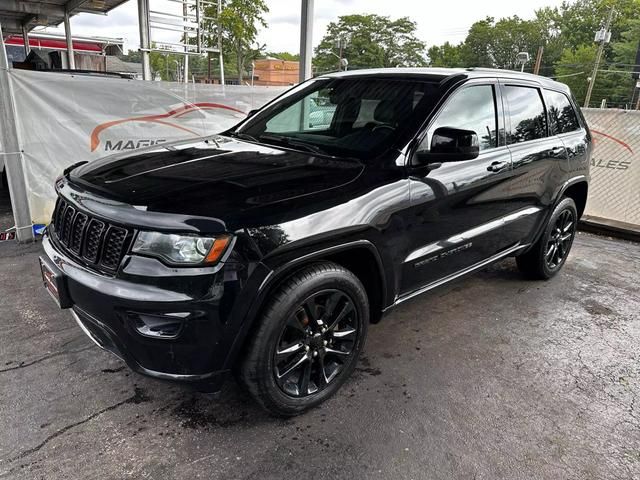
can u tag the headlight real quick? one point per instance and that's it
(181, 249)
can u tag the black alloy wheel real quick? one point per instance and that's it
(560, 239)
(307, 340)
(546, 257)
(317, 341)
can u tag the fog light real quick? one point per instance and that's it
(165, 326)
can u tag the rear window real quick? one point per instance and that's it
(526, 112)
(562, 115)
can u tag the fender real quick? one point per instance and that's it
(279, 273)
(556, 200)
(567, 184)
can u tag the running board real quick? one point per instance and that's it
(458, 274)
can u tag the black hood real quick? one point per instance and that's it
(220, 177)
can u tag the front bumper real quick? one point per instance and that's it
(113, 312)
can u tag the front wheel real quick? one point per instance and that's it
(308, 340)
(548, 254)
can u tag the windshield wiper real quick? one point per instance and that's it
(244, 136)
(293, 143)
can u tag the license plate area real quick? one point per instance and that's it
(53, 281)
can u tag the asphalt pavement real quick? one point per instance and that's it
(492, 377)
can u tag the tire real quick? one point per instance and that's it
(315, 295)
(547, 256)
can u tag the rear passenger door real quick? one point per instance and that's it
(539, 160)
(565, 123)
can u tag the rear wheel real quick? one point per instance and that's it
(308, 340)
(548, 254)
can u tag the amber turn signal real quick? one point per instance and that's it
(219, 246)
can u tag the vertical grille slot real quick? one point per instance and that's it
(67, 225)
(93, 239)
(113, 244)
(77, 232)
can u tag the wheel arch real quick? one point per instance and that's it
(361, 257)
(578, 192)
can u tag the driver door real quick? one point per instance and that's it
(457, 208)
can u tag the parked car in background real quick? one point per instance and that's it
(268, 250)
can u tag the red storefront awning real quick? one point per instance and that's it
(53, 44)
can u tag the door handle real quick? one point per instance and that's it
(497, 166)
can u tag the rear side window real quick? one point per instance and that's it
(526, 112)
(562, 116)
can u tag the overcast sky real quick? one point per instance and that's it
(437, 21)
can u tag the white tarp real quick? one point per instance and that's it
(614, 191)
(64, 119)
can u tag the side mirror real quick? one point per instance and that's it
(450, 145)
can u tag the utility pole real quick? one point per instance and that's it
(603, 36)
(536, 68)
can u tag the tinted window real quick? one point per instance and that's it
(473, 108)
(562, 116)
(359, 117)
(526, 111)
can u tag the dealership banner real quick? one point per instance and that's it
(614, 192)
(64, 119)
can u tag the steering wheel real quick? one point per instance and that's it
(380, 127)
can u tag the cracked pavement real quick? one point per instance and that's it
(491, 377)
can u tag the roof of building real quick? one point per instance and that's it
(56, 41)
(114, 64)
(30, 13)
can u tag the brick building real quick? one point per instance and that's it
(275, 72)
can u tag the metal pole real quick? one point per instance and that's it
(71, 61)
(306, 40)
(598, 58)
(143, 25)
(186, 41)
(12, 153)
(25, 40)
(220, 56)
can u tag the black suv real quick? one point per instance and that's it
(267, 250)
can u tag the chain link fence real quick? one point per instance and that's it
(614, 192)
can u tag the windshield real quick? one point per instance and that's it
(354, 117)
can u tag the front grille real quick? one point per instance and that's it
(99, 244)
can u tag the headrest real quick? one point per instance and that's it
(385, 112)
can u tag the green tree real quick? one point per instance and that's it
(496, 44)
(238, 21)
(446, 55)
(162, 64)
(373, 41)
(574, 68)
(290, 57)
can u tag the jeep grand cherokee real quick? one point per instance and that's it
(267, 250)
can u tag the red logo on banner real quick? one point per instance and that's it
(160, 118)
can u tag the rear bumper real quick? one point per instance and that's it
(113, 312)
